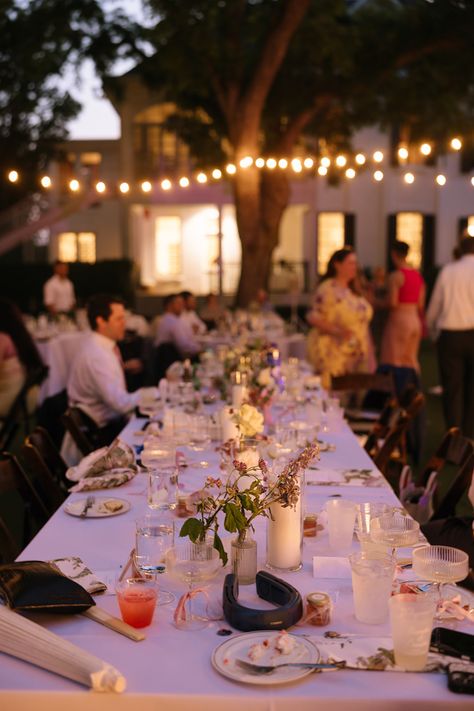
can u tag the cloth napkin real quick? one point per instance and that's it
(108, 462)
(74, 568)
(108, 480)
(344, 477)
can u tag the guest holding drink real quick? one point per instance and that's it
(338, 342)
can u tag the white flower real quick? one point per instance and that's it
(249, 420)
(264, 377)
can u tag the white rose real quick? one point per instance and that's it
(250, 421)
(264, 377)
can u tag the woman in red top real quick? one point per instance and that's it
(403, 330)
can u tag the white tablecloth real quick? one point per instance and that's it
(58, 354)
(171, 669)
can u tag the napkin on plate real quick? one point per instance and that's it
(74, 568)
(104, 468)
(110, 479)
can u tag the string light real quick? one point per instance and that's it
(46, 182)
(360, 159)
(231, 169)
(100, 186)
(472, 182)
(146, 186)
(308, 163)
(340, 161)
(325, 162)
(296, 165)
(124, 188)
(409, 178)
(470, 230)
(283, 163)
(322, 170)
(378, 156)
(74, 185)
(350, 173)
(403, 153)
(166, 184)
(184, 182)
(425, 149)
(201, 178)
(13, 176)
(456, 144)
(260, 162)
(271, 163)
(246, 162)
(217, 174)
(441, 179)
(378, 175)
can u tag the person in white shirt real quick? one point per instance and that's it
(189, 316)
(97, 382)
(451, 313)
(172, 329)
(58, 292)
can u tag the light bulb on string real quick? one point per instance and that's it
(13, 176)
(322, 170)
(100, 187)
(441, 179)
(231, 169)
(201, 178)
(246, 162)
(271, 163)
(308, 163)
(378, 156)
(166, 184)
(456, 144)
(46, 182)
(409, 178)
(124, 188)
(425, 149)
(216, 174)
(350, 173)
(325, 162)
(74, 185)
(283, 163)
(260, 162)
(341, 161)
(184, 182)
(146, 186)
(403, 153)
(360, 159)
(378, 176)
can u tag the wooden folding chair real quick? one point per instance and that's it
(18, 414)
(9, 549)
(82, 429)
(49, 453)
(42, 479)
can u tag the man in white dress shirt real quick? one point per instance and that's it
(173, 330)
(189, 316)
(451, 312)
(97, 382)
(58, 292)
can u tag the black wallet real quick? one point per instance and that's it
(38, 587)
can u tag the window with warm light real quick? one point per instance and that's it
(409, 229)
(470, 225)
(168, 246)
(331, 236)
(77, 247)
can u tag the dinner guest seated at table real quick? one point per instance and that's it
(18, 357)
(172, 329)
(96, 384)
(189, 316)
(212, 312)
(58, 291)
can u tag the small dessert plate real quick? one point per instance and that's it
(103, 507)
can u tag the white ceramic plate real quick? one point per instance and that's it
(238, 647)
(97, 510)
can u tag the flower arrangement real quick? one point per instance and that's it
(240, 507)
(262, 387)
(248, 420)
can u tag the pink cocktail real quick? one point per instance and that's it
(137, 601)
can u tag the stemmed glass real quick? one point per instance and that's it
(440, 565)
(395, 530)
(192, 563)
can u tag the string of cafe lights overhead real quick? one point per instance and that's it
(296, 165)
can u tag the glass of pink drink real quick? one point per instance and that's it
(137, 600)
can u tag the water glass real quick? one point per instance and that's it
(163, 487)
(365, 513)
(154, 535)
(372, 577)
(341, 518)
(411, 619)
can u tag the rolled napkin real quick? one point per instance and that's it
(117, 456)
(112, 478)
(74, 568)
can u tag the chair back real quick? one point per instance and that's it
(165, 354)
(42, 479)
(9, 549)
(18, 413)
(49, 453)
(81, 428)
(381, 451)
(357, 382)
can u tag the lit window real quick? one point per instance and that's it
(331, 236)
(77, 247)
(409, 229)
(91, 158)
(470, 226)
(168, 246)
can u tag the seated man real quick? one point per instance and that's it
(189, 316)
(97, 381)
(172, 330)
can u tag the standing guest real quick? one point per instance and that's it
(406, 301)
(58, 291)
(18, 357)
(97, 381)
(451, 312)
(189, 315)
(338, 342)
(172, 329)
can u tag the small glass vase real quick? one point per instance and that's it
(244, 557)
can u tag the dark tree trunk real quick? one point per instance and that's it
(260, 201)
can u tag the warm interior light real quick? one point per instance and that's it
(441, 179)
(74, 185)
(166, 184)
(201, 178)
(184, 182)
(322, 170)
(409, 178)
(456, 144)
(378, 175)
(46, 182)
(100, 186)
(472, 182)
(360, 159)
(216, 173)
(425, 148)
(13, 176)
(378, 156)
(403, 153)
(340, 161)
(350, 173)
(124, 188)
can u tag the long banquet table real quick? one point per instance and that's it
(171, 670)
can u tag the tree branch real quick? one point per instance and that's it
(299, 123)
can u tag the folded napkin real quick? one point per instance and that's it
(74, 568)
(344, 477)
(117, 456)
(108, 480)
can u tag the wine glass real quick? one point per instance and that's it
(154, 535)
(192, 563)
(440, 565)
(395, 530)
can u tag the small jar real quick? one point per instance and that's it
(310, 525)
(319, 609)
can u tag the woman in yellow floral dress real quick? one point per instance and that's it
(338, 342)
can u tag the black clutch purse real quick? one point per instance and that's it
(38, 587)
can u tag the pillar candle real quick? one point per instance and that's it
(284, 537)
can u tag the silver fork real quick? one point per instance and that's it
(268, 669)
(89, 503)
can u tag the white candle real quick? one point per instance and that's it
(229, 428)
(284, 537)
(250, 457)
(239, 395)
